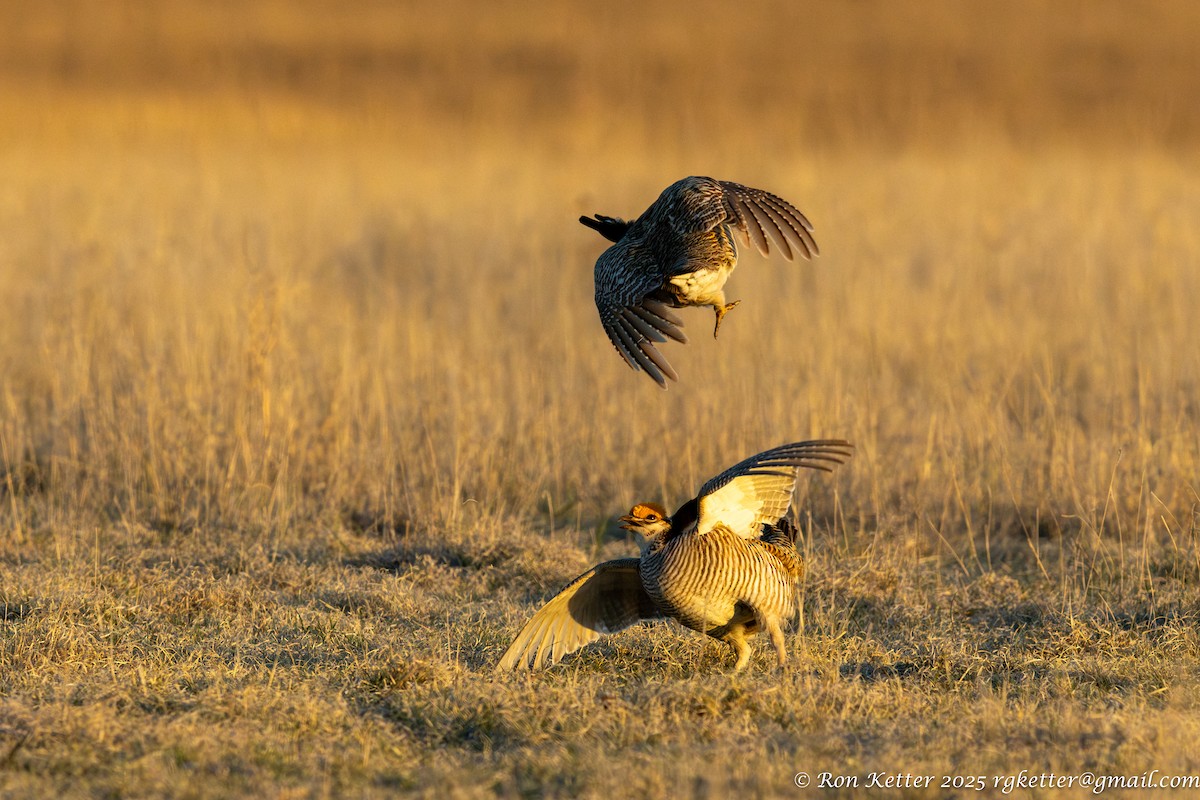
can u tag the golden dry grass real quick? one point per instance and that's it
(305, 407)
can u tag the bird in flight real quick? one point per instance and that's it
(680, 252)
(724, 564)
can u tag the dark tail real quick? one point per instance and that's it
(611, 228)
(781, 532)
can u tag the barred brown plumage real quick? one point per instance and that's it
(724, 564)
(680, 252)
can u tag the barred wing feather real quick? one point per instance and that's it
(632, 317)
(607, 598)
(761, 217)
(758, 491)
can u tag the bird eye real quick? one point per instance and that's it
(652, 517)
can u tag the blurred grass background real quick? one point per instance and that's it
(305, 407)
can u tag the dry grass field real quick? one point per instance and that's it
(305, 407)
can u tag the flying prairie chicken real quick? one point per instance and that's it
(680, 252)
(724, 564)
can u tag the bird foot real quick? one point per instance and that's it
(721, 311)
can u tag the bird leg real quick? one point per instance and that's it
(736, 639)
(776, 633)
(721, 311)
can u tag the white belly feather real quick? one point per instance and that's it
(703, 287)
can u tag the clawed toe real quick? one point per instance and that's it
(721, 311)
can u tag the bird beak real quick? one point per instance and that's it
(629, 523)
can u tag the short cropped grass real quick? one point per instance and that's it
(305, 408)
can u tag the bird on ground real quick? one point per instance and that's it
(680, 252)
(724, 564)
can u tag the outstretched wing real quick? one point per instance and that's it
(698, 205)
(627, 282)
(758, 491)
(759, 216)
(607, 598)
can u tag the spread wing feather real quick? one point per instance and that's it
(633, 319)
(642, 325)
(757, 214)
(795, 226)
(666, 324)
(639, 351)
(748, 223)
(607, 598)
(758, 491)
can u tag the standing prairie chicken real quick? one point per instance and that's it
(680, 252)
(724, 564)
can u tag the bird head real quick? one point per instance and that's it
(648, 519)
